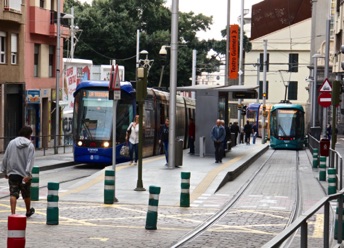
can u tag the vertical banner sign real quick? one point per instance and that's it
(233, 52)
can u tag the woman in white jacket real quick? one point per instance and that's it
(133, 137)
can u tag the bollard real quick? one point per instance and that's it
(35, 184)
(152, 213)
(315, 158)
(52, 208)
(109, 187)
(16, 231)
(332, 181)
(336, 222)
(322, 169)
(185, 192)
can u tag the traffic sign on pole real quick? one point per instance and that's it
(324, 99)
(326, 86)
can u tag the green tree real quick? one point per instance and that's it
(109, 29)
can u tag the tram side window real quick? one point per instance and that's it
(273, 124)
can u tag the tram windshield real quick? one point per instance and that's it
(288, 122)
(93, 114)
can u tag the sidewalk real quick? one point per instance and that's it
(206, 176)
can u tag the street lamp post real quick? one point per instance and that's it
(57, 95)
(58, 66)
(314, 88)
(141, 93)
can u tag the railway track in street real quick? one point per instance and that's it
(270, 200)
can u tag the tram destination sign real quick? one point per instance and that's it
(244, 94)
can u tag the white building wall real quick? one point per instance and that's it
(293, 39)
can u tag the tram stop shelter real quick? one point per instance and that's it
(211, 104)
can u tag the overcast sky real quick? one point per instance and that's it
(215, 8)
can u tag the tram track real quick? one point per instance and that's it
(263, 172)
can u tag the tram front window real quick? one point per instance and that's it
(288, 123)
(94, 116)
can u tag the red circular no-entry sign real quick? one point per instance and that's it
(324, 99)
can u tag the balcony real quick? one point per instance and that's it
(12, 11)
(43, 23)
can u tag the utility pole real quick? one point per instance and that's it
(265, 42)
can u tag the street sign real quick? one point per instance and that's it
(324, 99)
(244, 94)
(326, 86)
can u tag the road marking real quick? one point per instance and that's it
(100, 239)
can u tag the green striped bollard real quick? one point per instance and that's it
(35, 184)
(152, 213)
(332, 181)
(315, 158)
(322, 169)
(109, 187)
(53, 199)
(185, 192)
(336, 222)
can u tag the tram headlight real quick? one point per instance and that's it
(106, 144)
(79, 143)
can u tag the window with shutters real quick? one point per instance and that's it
(14, 49)
(2, 47)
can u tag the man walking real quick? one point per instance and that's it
(17, 166)
(218, 135)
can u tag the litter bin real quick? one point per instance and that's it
(179, 152)
(324, 147)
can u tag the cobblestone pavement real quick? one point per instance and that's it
(265, 208)
(85, 224)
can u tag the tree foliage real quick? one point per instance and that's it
(109, 31)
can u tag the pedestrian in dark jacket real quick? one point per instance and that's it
(218, 135)
(163, 138)
(228, 137)
(235, 130)
(192, 131)
(17, 166)
(247, 131)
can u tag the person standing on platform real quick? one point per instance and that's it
(17, 165)
(192, 132)
(329, 131)
(218, 135)
(133, 137)
(254, 133)
(235, 130)
(247, 131)
(163, 137)
(227, 138)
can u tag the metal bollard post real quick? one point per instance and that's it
(332, 181)
(152, 213)
(185, 189)
(109, 187)
(315, 158)
(35, 184)
(16, 226)
(52, 208)
(322, 169)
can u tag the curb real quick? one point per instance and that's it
(235, 172)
